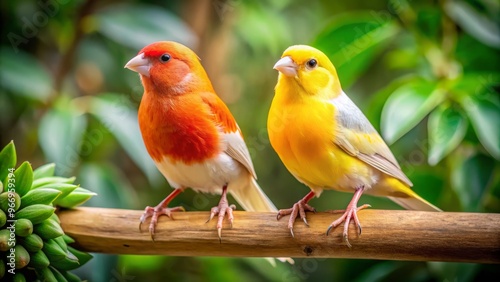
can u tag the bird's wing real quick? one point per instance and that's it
(236, 147)
(357, 137)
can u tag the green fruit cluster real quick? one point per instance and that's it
(33, 245)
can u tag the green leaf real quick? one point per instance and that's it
(429, 22)
(8, 160)
(481, 85)
(253, 28)
(149, 24)
(376, 103)
(46, 170)
(474, 56)
(353, 41)
(143, 262)
(453, 271)
(23, 178)
(484, 115)
(61, 131)
(470, 179)
(117, 114)
(380, 272)
(23, 74)
(474, 23)
(447, 127)
(407, 106)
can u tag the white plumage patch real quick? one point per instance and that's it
(207, 176)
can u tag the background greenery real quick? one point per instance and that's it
(425, 72)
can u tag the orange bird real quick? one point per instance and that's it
(191, 135)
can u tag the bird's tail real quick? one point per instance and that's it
(407, 198)
(251, 197)
(415, 203)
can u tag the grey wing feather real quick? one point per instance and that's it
(350, 121)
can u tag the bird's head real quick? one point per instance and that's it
(169, 68)
(307, 68)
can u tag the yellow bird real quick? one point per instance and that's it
(326, 142)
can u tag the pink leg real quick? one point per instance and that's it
(298, 208)
(221, 210)
(160, 209)
(349, 213)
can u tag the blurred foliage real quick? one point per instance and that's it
(425, 72)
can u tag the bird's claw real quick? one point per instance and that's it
(221, 210)
(155, 213)
(299, 209)
(349, 213)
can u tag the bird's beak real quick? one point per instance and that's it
(286, 66)
(139, 64)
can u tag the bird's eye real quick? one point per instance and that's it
(312, 63)
(165, 58)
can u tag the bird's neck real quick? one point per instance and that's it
(191, 82)
(293, 91)
(289, 90)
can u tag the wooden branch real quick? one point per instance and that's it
(391, 235)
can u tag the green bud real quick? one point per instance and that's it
(58, 275)
(68, 263)
(70, 276)
(32, 243)
(39, 260)
(22, 256)
(48, 229)
(44, 196)
(46, 170)
(68, 239)
(55, 218)
(51, 179)
(76, 198)
(7, 240)
(18, 277)
(65, 188)
(36, 213)
(45, 274)
(8, 159)
(23, 178)
(53, 251)
(9, 201)
(24, 227)
(83, 257)
(60, 241)
(3, 218)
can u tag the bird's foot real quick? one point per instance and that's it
(349, 213)
(221, 211)
(155, 213)
(298, 209)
